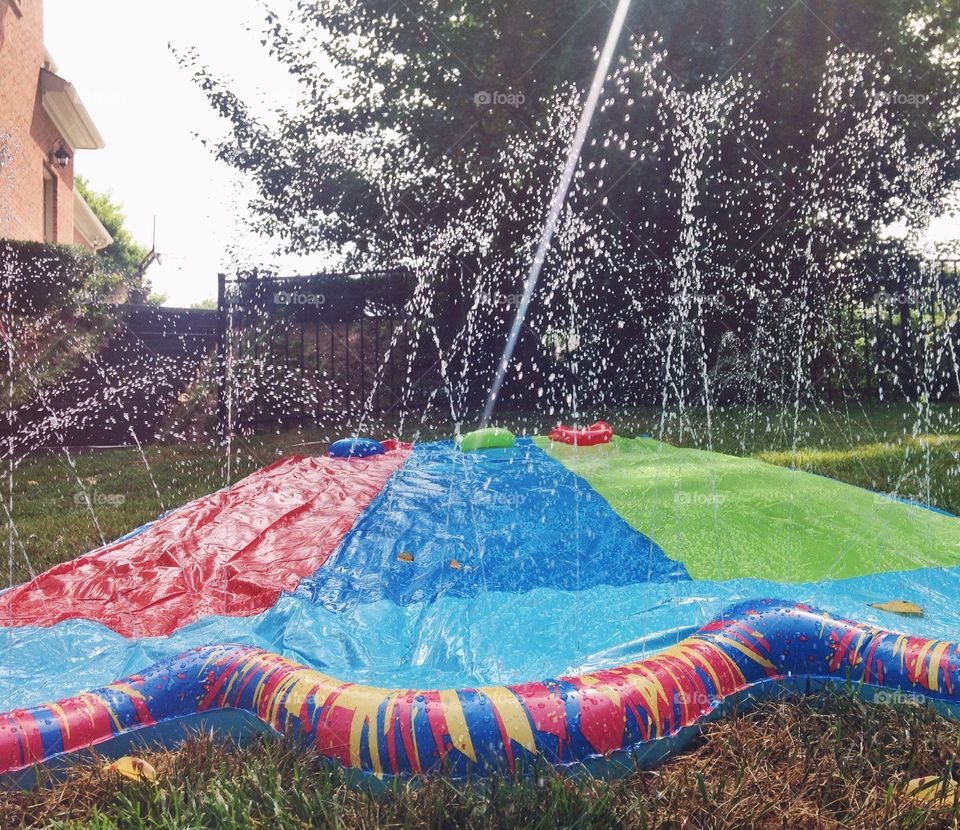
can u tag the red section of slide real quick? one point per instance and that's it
(229, 553)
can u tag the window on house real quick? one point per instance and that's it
(49, 205)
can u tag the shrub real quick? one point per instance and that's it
(36, 277)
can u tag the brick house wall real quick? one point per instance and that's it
(28, 134)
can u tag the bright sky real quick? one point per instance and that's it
(148, 110)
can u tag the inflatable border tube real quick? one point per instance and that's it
(625, 717)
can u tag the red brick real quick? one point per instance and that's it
(27, 130)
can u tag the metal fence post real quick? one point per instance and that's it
(222, 414)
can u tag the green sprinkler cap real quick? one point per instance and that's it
(486, 439)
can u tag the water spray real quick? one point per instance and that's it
(556, 205)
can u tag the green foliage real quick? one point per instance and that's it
(55, 307)
(398, 84)
(156, 298)
(38, 277)
(124, 255)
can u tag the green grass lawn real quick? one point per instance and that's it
(818, 763)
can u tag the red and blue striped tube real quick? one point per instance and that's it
(643, 708)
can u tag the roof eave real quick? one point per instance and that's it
(69, 115)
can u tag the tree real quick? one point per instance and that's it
(124, 256)
(446, 84)
(746, 151)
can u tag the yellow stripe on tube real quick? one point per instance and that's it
(457, 724)
(933, 669)
(514, 717)
(365, 702)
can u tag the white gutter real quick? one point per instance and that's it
(88, 225)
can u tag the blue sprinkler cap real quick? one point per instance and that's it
(355, 448)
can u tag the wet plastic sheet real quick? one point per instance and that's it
(632, 714)
(229, 553)
(562, 585)
(727, 517)
(457, 524)
(495, 637)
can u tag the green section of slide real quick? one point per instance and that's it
(726, 517)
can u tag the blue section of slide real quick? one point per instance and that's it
(457, 524)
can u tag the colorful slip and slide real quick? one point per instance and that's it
(632, 572)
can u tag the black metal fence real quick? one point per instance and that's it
(294, 350)
(298, 351)
(896, 338)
